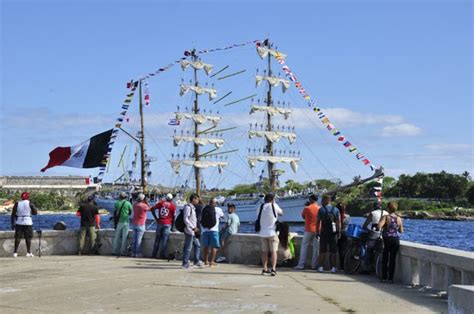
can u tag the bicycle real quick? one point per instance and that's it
(357, 255)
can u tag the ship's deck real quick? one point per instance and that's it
(103, 283)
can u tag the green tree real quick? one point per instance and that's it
(294, 186)
(470, 194)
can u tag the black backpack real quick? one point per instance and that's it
(179, 222)
(208, 217)
(327, 219)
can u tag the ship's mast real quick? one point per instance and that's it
(271, 169)
(197, 172)
(142, 141)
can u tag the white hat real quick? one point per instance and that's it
(141, 196)
(169, 196)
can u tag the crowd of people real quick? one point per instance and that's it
(325, 231)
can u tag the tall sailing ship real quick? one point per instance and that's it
(201, 128)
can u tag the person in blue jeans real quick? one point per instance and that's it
(166, 211)
(123, 209)
(138, 227)
(190, 230)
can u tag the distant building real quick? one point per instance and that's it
(65, 185)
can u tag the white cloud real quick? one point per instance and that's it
(448, 147)
(43, 119)
(349, 118)
(402, 129)
(305, 118)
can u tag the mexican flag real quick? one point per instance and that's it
(89, 154)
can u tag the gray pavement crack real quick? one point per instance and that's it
(325, 298)
(193, 287)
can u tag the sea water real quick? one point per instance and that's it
(452, 234)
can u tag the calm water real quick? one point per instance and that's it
(453, 234)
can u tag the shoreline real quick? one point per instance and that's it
(410, 215)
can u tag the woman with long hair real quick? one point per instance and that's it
(286, 249)
(391, 226)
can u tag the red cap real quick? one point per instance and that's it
(25, 195)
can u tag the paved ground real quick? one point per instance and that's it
(106, 284)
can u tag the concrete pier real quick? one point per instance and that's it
(420, 268)
(63, 284)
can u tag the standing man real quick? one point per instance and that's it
(309, 214)
(210, 218)
(22, 222)
(268, 216)
(328, 227)
(166, 211)
(90, 221)
(190, 229)
(138, 227)
(123, 209)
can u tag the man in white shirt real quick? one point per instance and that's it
(268, 215)
(210, 235)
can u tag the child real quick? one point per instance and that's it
(230, 228)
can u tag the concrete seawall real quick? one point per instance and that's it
(418, 264)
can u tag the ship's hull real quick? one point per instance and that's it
(291, 206)
(245, 209)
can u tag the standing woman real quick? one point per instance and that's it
(342, 241)
(22, 222)
(391, 225)
(138, 227)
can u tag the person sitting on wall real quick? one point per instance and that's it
(231, 227)
(22, 222)
(286, 247)
(90, 221)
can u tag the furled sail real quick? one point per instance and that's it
(263, 52)
(293, 161)
(198, 65)
(198, 118)
(198, 89)
(273, 136)
(271, 110)
(274, 81)
(201, 141)
(201, 164)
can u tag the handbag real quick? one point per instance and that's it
(257, 222)
(277, 223)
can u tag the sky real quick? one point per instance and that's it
(394, 76)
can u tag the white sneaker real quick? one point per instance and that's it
(334, 270)
(29, 255)
(15, 254)
(220, 259)
(298, 267)
(320, 269)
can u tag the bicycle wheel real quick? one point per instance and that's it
(352, 259)
(378, 265)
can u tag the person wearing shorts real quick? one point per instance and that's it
(268, 214)
(210, 236)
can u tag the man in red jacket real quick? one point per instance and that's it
(166, 211)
